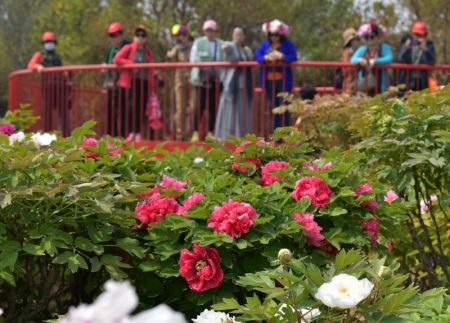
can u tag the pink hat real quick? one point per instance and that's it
(210, 24)
(276, 27)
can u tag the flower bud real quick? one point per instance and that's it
(284, 256)
(384, 272)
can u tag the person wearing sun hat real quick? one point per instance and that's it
(373, 52)
(207, 81)
(417, 50)
(140, 82)
(184, 103)
(276, 49)
(351, 44)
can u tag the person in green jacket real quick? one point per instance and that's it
(207, 81)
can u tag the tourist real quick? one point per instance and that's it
(207, 81)
(184, 103)
(235, 108)
(351, 44)
(54, 85)
(276, 79)
(373, 52)
(417, 50)
(139, 81)
(116, 97)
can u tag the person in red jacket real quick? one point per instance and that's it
(55, 86)
(138, 81)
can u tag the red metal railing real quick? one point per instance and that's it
(66, 97)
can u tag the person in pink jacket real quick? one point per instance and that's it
(140, 82)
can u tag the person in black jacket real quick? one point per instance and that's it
(416, 50)
(116, 97)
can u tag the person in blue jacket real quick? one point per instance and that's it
(276, 79)
(374, 51)
(417, 50)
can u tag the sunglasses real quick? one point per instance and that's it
(369, 37)
(115, 35)
(141, 35)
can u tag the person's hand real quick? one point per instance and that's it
(423, 44)
(225, 46)
(269, 58)
(371, 62)
(362, 62)
(408, 43)
(39, 68)
(278, 55)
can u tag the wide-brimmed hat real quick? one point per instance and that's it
(348, 35)
(275, 27)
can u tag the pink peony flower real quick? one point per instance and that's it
(423, 207)
(172, 183)
(201, 268)
(272, 167)
(239, 168)
(7, 128)
(114, 151)
(234, 218)
(246, 143)
(190, 202)
(312, 229)
(155, 209)
(314, 188)
(315, 165)
(390, 245)
(371, 205)
(152, 192)
(90, 142)
(372, 227)
(390, 197)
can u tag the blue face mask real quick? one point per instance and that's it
(49, 46)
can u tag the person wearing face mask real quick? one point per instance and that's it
(116, 97)
(374, 51)
(235, 108)
(417, 50)
(207, 81)
(276, 49)
(184, 103)
(140, 82)
(55, 88)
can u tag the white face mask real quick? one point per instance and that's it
(49, 46)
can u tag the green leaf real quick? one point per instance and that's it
(304, 204)
(8, 259)
(77, 261)
(33, 249)
(338, 211)
(149, 266)
(344, 259)
(226, 305)
(5, 200)
(63, 258)
(131, 246)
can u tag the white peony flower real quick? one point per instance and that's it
(1, 311)
(198, 160)
(308, 314)
(114, 305)
(159, 314)
(344, 291)
(44, 139)
(18, 136)
(210, 316)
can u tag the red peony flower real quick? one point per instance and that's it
(314, 188)
(7, 128)
(233, 218)
(190, 202)
(366, 188)
(272, 167)
(172, 183)
(152, 192)
(90, 142)
(114, 151)
(242, 146)
(372, 227)
(201, 268)
(155, 209)
(312, 229)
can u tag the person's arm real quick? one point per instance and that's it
(193, 54)
(291, 53)
(172, 53)
(229, 52)
(386, 57)
(404, 56)
(35, 61)
(358, 55)
(121, 57)
(430, 54)
(260, 54)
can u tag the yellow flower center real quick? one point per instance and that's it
(343, 290)
(200, 265)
